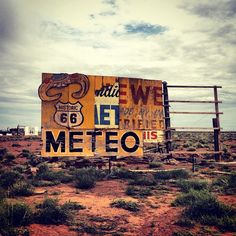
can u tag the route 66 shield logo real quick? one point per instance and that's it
(69, 114)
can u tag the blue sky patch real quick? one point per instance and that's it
(144, 28)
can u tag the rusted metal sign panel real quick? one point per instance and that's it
(141, 104)
(85, 115)
(153, 136)
(106, 102)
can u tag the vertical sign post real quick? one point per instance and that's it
(216, 126)
(167, 117)
(216, 139)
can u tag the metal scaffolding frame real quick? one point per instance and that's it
(215, 121)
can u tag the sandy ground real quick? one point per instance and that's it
(157, 217)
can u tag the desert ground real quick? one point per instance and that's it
(152, 195)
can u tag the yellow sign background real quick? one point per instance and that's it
(101, 144)
(106, 87)
(49, 107)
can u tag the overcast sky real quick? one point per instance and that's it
(181, 42)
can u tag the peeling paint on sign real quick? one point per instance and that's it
(67, 101)
(153, 136)
(106, 102)
(141, 104)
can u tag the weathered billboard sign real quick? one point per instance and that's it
(84, 115)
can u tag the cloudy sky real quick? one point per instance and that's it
(182, 42)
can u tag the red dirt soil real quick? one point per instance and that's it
(157, 217)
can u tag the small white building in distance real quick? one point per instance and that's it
(29, 130)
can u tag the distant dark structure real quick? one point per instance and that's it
(20, 130)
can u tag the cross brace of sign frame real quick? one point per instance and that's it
(215, 121)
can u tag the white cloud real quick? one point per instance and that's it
(91, 38)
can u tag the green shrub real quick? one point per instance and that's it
(103, 228)
(138, 191)
(20, 214)
(19, 168)
(42, 169)
(200, 145)
(50, 212)
(183, 233)
(186, 145)
(16, 145)
(155, 164)
(3, 151)
(21, 188)
(60, 176)
(172, 174)
(44, 183)
(9, 178)
(185, 222)
(191, 197)
(143, 181)
(85, 181)
(221, 181)
(35, 160)
(122, 173)
(212, 212)
(25, 151)
(27, 155)
(127, 205)
(96, 173)
(65, 178)
(89, 229)
(49, 202)
(226, 184)
(13, 215)
(9, 157)
(203, 141)
(186, 185)
(206, 209)
(3, 194)
(85, 178)
(44, 173)
(73, 206)
(232, 181)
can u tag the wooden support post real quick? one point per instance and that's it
(111, 158)
(110, 164)
(216, 124)
(194, 162)
(167, 116)
(216, 139)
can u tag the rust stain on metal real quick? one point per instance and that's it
(141, 104)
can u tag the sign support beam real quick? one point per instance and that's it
(167, 117)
